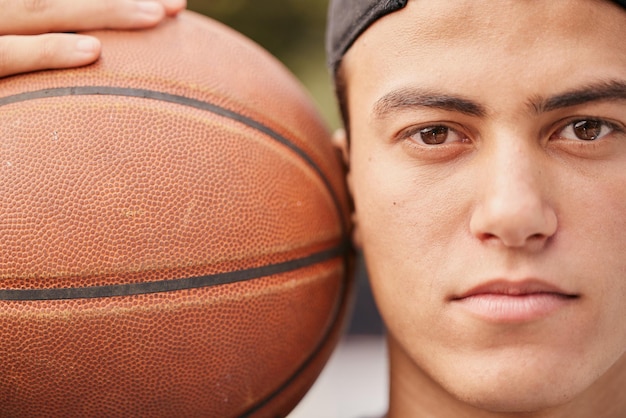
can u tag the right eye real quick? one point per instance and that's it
(436, 135)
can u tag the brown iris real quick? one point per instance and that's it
(434, 135)
(588, 130)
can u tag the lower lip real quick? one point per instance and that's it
(496, 307)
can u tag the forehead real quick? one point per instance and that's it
(431, 23)
(465, 40)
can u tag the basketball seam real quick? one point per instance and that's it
(177, 284)
(181, 100)
(131, 289)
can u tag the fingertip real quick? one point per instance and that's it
(88, 45)
(149, 13)
(173, 7)
(48, 51)
(87, 49)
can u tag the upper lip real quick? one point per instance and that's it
(513, 288)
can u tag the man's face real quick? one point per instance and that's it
(488, 168)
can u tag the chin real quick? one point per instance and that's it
(517, 401)
(519, 391)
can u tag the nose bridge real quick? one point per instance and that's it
(513, 206)
(513, 178)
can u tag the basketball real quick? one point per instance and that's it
(175, 232)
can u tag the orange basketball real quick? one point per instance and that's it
(174, 229)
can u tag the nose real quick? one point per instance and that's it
(513, 206)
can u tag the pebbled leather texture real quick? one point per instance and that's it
(174, 224)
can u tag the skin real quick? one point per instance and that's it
(32, 32)
(511, 194)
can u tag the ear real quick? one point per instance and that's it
(340, 141)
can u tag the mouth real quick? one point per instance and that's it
(502, 301)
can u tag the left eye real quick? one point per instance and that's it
(586, 130)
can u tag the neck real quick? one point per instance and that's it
(413, 393)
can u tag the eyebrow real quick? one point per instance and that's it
(612, 90)
(411, 97)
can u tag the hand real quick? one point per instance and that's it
(32, 31)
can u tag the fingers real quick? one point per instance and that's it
(20, 54)
(21, 17)
(45, 50)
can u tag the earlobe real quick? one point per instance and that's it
(340, 141)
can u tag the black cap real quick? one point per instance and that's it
(347, 19)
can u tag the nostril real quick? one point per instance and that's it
(487, 236)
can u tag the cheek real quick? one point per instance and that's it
(407, 210)
(595, 236)
(410, 220)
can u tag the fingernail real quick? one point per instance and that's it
(151, 8)
(87, 44)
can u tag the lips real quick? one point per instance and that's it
(514, 301)
(514, 288)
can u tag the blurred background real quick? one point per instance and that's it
(354, 383)
(292, 30)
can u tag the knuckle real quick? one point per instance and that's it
(47, 50)
(36, 6)
(108, 7)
